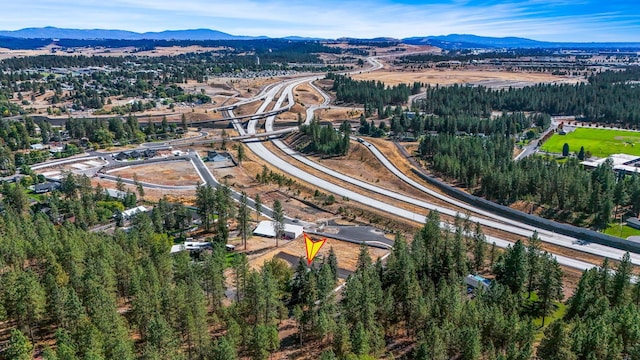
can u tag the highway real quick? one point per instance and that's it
(495, 222)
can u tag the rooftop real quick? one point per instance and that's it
(621, 162)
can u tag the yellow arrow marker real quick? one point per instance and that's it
(312, 247)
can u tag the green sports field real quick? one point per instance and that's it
(599, 142)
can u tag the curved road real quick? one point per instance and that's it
(517, 228)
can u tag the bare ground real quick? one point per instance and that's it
(179, 173)
(307, 95)
(448, 77)
(335, 113)
(186, 197)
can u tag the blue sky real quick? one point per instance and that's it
(552, 20)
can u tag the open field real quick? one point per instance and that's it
(124, 51)
(600, 142)
(307, 95)
(347, 253)
(179, 173)
(450, 77)
(338, 113)
(186, 197)
(623, 231)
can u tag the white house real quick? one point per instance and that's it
(265, 228)
(128, 214)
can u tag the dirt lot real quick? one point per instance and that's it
(448, 77)
(346, 252)
(179, 173)
(292, 115)
(124, 51)
(186, 197)
(307, 95)
(336, 113)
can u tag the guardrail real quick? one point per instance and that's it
(564, 229)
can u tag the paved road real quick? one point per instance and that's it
(293, 260)
(532, 147)
(291, 169)
(208, 177)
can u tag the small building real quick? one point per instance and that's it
(191, 246)
(128, 214)
(624, 163)
(45, 187)
(115, 194)
(477, 281)
(265, 228)
(217, 156)
(220, 159)
(37, 147)
(633, 222)
(122, 156)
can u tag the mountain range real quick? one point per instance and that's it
(50, 32)
(466, 41)
(452, 41)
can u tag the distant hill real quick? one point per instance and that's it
(32, 37)
(465, 41)
(82, 34)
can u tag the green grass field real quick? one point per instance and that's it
(599, 142)
(625, 232)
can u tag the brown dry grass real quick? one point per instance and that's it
(248, 109)
(124, 51)
(307, 95)
(293, 113)
(448, 77)
(245, 87)
(153, 195)
(264, 249)
(180, 173)
(338, 113)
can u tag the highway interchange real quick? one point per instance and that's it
(288, 161)
(486, 219)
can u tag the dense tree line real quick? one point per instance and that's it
(469, 55)
(567, 190)
(326, 140)
(467, 159)
(95, 293)
(508, 124)
(602, 320)
(603, 99)
(370, 92)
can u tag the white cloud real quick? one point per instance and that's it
(539, 19)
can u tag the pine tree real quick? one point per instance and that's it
(620, 293)
(556, 344)
(278, 220)
(223, 350)
(550, 284)
(19, 347)
(512, 269)
(258, 205)
(479, 248)
(533, 262)
(241, 153)
(243, 219)
(333, 263)
(205, 202)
